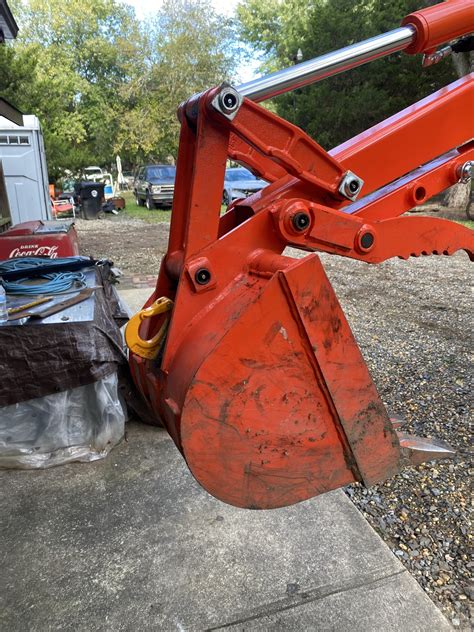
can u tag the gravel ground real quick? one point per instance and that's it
(412, 320)
(135, 246)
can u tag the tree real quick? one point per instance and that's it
(102, 83)
(68, 65)
(190, 48)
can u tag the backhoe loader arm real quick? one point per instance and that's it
(244, 354)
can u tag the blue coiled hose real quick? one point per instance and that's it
(52, 283)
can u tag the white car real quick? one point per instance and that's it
(93, 173)
(240, 183)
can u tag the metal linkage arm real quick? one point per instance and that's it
(315, 227)
(284, 144)
(418, 186)
(273, 148)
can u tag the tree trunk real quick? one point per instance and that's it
(458, 197)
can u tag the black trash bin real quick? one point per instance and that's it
(91, 195)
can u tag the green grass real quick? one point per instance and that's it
(468, 223)
(140, 212)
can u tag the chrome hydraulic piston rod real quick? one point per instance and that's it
(328, 65)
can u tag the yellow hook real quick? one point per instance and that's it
(147, 348)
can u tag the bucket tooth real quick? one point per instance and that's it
(397, 421)
(416, 450)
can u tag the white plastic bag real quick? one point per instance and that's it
(80, 424)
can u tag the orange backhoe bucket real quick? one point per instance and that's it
(244, 354)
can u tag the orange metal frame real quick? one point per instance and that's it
(260, 382)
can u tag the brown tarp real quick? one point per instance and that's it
(37, 360)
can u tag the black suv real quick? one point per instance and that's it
(154, 186)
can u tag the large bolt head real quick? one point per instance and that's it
(202, 276)
(301, 221)
(228, 101)
(465, 172)
(350, 186)
(366, 240)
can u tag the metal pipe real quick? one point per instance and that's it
(327, 65)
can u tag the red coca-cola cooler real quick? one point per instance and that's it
(39, 239)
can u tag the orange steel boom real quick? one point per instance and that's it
(244, 354)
